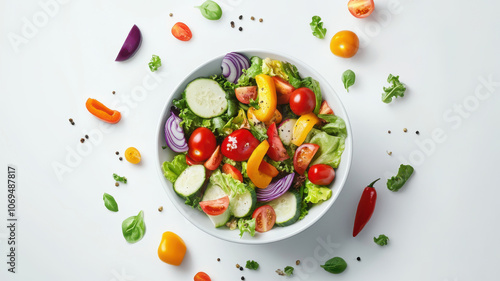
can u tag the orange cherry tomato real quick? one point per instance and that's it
(172, 248)
(133, 155)
(361, 8)
(181, 31)
(344, 44)
(202, 276)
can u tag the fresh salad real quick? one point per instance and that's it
(257, 145)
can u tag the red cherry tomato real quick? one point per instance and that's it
(283, 90)
(265, 217)
(325, 108)
(232, 171)
(245, 94)
(191, 162)
(214, 161)
(361, 8)
(202, 276)
(303, 156)
(302, 101)
(201, 144)
(181, 31)
(276, 150)
(321, 174)
(239, 145)
(215, 207)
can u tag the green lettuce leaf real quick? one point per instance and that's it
(314, 86)
(273, 68)
(335, 125)
(316, 193)
(396, 182)
(293, 74)
(254, 69)
(174, 168)
(397, 89)
(228, 184)
(282, 166)
(330, 147)
(245, 225)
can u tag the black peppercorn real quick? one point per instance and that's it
(240, 29)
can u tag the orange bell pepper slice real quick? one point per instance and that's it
(260, 179)
(276, 118)
(266, 91)
(100, 111)
(303, 126)
(268, 169)
(172, 248)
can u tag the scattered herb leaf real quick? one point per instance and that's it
(120, 179)
(289, 270)
(335, 265)
(381, 240)
(154, 63)
(396, 182)
(348, 79)
(317, 27)
(110, 203)
(210, 10)
(133, 228)
(252, 265)
(397, 89)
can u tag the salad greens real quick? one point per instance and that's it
(110, 203)
(312, 84)
(246, 225)
(120, 179)
(154, 63)
(330, 148)
(317, 27)
(335, 265)
(396, 182)
(133, 228)
(397, 89)
(348, 79)
(381, 240)
(210, 10)
(252, 265)
(316, 193)
(335, 125)
(228, 184)
(288, 270)
(174, 168)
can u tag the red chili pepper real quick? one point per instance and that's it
(100, 111)
(366, 206)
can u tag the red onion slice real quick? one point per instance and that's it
(131, 44)
(174, 135)
(275, 189)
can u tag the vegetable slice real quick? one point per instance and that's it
(275, 189)
(233, 65)
(131, 44)
(174, 135)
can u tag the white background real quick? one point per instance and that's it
(443, 225)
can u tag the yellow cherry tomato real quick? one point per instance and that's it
(132, 155)
(344, 44)
(172, 248)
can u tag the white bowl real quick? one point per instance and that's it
(199, 219)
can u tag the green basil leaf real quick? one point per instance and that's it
(133, 228)
(396, 182)
(110, 203)
(210, 10)
(335, 265)
(381, 240)
(317, 27)
(348, 79)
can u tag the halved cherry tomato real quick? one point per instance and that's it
(172, 248)
(191, 162)
(202, 276)
(303, 156)
(302, 101)
(283, 90)
(361, 8)
(265, 217)
(181, 31)
(321, 174)
(201, 144)
(267, 97)
(215, 207)
(133, 155)
(268, 169)
(344, 44)
(214, 161)
(325, 109)
(245, 94)
(239, 145)
(277, 117)
(232, 171)
(276, 151)
(257, 177)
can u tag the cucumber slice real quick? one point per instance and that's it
(190, 181)
(287, 208)
(242, 205)
(215, 192)
(206, 98)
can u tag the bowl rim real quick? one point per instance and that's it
(346, 158)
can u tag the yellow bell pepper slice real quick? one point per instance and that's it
(258, 178)
(303, 126)
(266, 91)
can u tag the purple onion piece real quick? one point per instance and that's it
(131, 44)
(233, 65)
(174, 135)
(275, 189)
